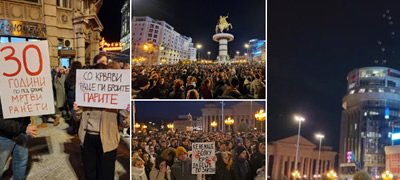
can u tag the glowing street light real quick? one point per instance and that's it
(331, 174)
(170, 126)
(247, 47)
(320, 137)
(137, 125)
(229, 121)
(198, 46)
(214, 124)
(296, 174)
(299, 119)
(387, 175)
(237, 52)
(209, 52)
(260, 116)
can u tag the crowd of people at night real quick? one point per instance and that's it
(88, 123)
(167, 156)
(199, 81)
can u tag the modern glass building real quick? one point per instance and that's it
(371, 110)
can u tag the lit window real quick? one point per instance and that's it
(381, 90)
(361, 90)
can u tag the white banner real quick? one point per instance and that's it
(202, 158)
(26, 84)
(103, 88)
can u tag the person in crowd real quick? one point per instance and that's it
(261, 172)
(256, 159)
(255, 86)
(160, 170)
(147, 163)
(240, 168)
(61, 98)
(192, 94)
(222, 172)
(160, 91)
(206, 89)
(70, 86)
(138, 169)
(140, 87)
(220, 87)
(232, 91)
(178, 92)
(14, 134)
(169, 154)
(182, 169)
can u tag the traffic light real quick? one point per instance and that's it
(162, 47)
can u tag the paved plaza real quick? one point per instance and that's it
(55, 154)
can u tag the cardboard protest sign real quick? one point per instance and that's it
(103, 88)
(25, 78)
(202, 158)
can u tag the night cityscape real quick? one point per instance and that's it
(333, 67)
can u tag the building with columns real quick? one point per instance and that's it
(71, 27)
(242, 112)
(282, 154)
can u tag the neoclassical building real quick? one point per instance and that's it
(71, 27)
(282, 153)
(242, 112)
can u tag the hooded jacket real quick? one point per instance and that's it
(256, 161)
(155, 174)
(221, 170)
(240, 168)
(182, 170)
(138, 174)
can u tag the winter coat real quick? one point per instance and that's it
(109, 129)
(70, 92)
(182, 170)
(255, 86)
(219, 88)
(155, 174)
(11, 128)
(140, 94)
(159, 91)
(240, 169)
(260, 174)
(177, 94)
(138, 174)
(256, 162)
(60, 90)
(221, 171)
(232, 92)
(206, 93)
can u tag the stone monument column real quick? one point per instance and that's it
(223, 39)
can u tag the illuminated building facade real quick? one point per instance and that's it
(371, 108)
(257, 50)
(177, 47)
(71, 27)
(125, 28)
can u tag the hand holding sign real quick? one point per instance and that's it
(31, 130)
(25, 76)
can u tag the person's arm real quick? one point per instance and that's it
(13, 127)
(124, 117)
(76, 112)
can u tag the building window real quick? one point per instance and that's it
(361, 90)
(391, 83)
(34, 1)
(64, 3)
(151, 25)
(151, 30)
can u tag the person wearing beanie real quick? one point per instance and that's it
(161, 170)
(240, 168)
(182, 169)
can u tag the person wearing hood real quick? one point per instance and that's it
(141, 86)
(182, 169)
(138, 171)
(240, 168)
(222, 171)
(161, 170)
(256, 159)
(169, 155)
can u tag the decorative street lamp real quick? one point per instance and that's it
(229, 121)
(387, 175)
(296, 174)
(170, 126)
(261, 116)
(299, 119)
(331, 174)
(148, 47)
(209, 52)
(214, 124)
(137, 125)
(320, 137)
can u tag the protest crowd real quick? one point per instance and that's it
(169, 156)
(88, 123)
(199, 81)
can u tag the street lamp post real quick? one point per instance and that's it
(247, 47)
(214, 124)
(299, 119)
(198, 46)
(387, 175)
(229, 121)
(320, 137)
(332, 174)
(260, 116)
(209, 52)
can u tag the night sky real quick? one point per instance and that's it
(156, 111)
(312, 46)
(110, 16)
(197, 19)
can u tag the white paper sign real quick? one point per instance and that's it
(103, 88)
(202, 158)
(25, 78)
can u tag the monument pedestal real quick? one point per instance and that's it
(223, 39)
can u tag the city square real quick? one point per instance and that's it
(230, 134)
(218, 55)
(334, 101)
